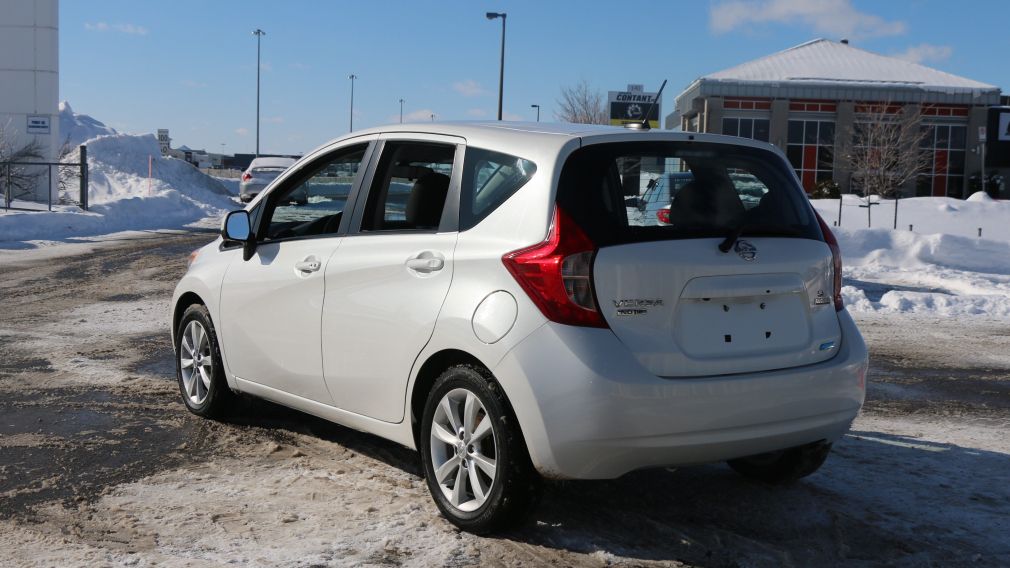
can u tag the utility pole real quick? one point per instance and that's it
(501, 68)
(352, 77)
(259, 35)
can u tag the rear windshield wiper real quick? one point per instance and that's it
(766, 230)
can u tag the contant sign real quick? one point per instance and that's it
(631, 106)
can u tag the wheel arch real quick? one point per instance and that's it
(186, 300)
(432, 368)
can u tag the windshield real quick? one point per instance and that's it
(684, 190)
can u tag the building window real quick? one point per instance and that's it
(753, 128)
(802, 105)
(747, 104)
(946, 175)
(810, 149)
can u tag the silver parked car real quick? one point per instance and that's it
(260, 173)
(476, 292)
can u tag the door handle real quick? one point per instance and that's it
(425, 263)
(308, 265)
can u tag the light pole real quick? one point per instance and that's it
(401, 111)
(352, 77)
(538, 111)
(501, 68)
(259, 35)
(433, 117)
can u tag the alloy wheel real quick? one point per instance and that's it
(196, 362)
(463, 451)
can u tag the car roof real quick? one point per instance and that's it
(506, 135)
(271, 162)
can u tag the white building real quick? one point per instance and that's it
(29, 75)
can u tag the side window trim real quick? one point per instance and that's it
(450, 211)
(269, 203)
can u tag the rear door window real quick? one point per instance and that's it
(410, 187)
(683, 190)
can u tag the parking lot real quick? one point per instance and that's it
(101, 464)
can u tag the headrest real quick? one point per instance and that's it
(427, 197)
(699, 204)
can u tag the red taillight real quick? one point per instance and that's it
(663, 215)
(246, 176)
(557, 274)
(836, 261)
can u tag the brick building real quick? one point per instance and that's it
(809, 100)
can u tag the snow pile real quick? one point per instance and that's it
(123, 198)
(76, 129)
(926, 215)
(902, 272)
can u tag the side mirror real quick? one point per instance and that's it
(631, 201)
(237, 227)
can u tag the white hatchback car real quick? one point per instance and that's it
(477, 292)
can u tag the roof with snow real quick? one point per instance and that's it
(836, 70)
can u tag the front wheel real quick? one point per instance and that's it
(475, 460)
(783, 466)
(198, 365)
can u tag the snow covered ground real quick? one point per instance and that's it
(122, 196)
(940, 267)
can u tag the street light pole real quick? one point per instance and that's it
(501, 68)
(352, 77)
(538, 111)
(259, 34)
(401, 111)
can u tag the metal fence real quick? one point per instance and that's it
(29, 186)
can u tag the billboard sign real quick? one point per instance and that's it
(997, 143)
(631, 106)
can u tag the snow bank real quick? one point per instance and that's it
(76, 129)
(901, 272)
(962, 217)
(122, 197)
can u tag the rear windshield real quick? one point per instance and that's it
(642, 191)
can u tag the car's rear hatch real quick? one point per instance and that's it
(684, 308)
(742, 280)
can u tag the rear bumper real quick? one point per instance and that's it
(589, 410)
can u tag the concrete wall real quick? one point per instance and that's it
(29, 72)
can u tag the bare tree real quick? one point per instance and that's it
(16, 179)
(886, 150)
(582, 104)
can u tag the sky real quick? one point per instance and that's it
(190, 66)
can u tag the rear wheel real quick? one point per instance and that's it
(198, 365)
(475, 459)
(783, 466)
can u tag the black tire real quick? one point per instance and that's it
(783, 466)
(516, 488)
(219, 399)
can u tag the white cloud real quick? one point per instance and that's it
(131, 29)
(925, 52)
(242, 131)
(835, 18)
(300, 66)
(278, 119)
(476, 112)
(468, 88)
(506, 115)
(266, 66)
(192, 84)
